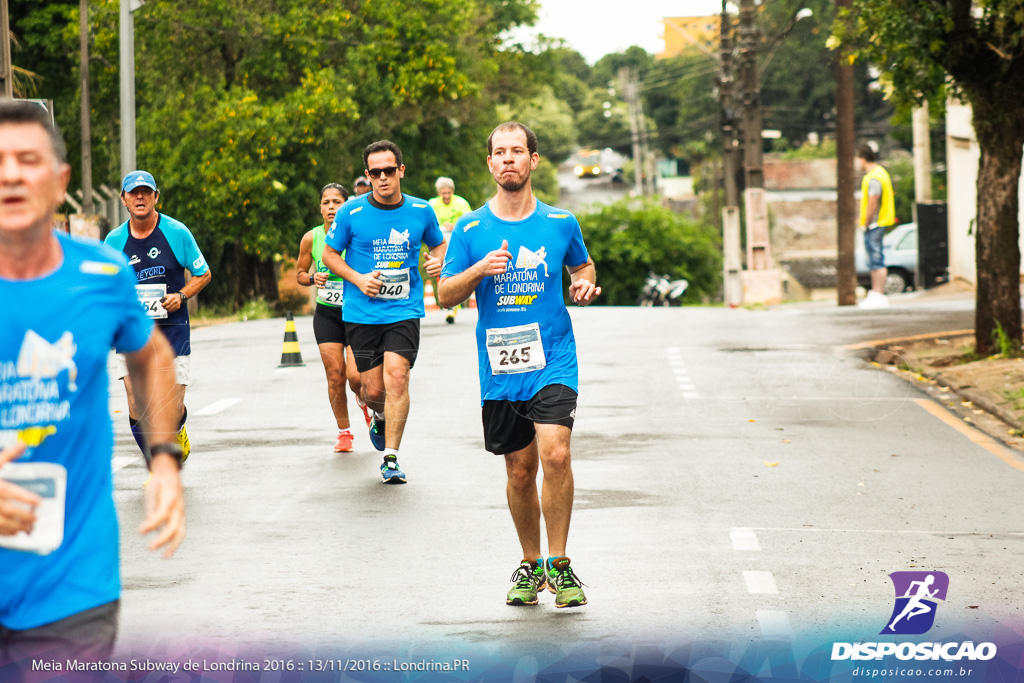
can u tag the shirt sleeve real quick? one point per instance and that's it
(456, 259)
(340, 234)
(874, 188)
(432, 236)
(576, 254)
(134, 328)
(194, 261)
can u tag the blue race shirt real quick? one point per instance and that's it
(162, 259)
(528, 293)
(57, 332)
(387, 238)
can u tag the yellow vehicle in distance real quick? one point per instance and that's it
(588, 164)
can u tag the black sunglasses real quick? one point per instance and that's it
(376, 172)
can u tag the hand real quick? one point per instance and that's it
(432, 265)
(582, 292)
(319, 279)
(17, 505)
(496, 262)
(164, 501)
(369, 284)
(171, 302)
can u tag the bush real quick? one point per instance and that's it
(631, 237)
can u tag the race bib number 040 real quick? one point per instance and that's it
(517, 349)
(149, 297)
(395, 284)
(332, 293)
(49, 481)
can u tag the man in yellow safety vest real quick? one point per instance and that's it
(877, 212)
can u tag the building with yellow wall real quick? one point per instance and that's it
(683, 35)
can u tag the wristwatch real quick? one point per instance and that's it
(184, 297)
(312, 280)
(171, 449)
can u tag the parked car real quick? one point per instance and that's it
(899, 248)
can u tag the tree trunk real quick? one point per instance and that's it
(997, 251)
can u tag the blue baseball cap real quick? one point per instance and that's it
(138, 179)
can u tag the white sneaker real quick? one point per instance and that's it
(873, 301)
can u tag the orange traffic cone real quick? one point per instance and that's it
(291, 357)
(429, 300)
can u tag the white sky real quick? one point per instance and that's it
(598, 27)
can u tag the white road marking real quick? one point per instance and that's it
(893, 531)
(691, 394)
(218, 407)
(761, 583)
(744, 538)
(122, 461)
(774, 625)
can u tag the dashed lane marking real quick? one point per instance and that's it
(744, 538)
(760, 583)
(122, 461)
(217, 407)
(774, 625)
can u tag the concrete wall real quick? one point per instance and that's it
(815, 174)
(962, 157)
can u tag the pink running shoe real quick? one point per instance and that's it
(344, 443)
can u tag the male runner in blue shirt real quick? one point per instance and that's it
(380, 234)
(160, 249)
(510, 252)
(65, 302)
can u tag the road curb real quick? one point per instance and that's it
(880, 351)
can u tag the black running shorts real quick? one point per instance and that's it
(508, 425)
(328, 327)
(369, 342)
(86, 636)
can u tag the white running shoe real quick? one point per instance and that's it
(873, 301)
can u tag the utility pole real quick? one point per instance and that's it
(127, 67)
(6, 68)
(846, 278)
(758, 243)
(645, 150)
(83, 11)
(732, 251)
(630, 90)
(922, 156)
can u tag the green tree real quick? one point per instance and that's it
(245, 108)
(977, 50)
(629, 238)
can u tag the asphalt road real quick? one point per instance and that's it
(739, 476)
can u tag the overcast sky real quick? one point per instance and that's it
(598, 27)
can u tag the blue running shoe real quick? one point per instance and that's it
(389, 471)
(377, 433)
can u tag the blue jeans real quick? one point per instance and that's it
(873, 246)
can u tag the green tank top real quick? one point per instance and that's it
(331, 295)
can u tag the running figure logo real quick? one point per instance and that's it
(397, 238)
(532, 259)
(916, 596)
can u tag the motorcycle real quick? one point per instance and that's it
(658, 290)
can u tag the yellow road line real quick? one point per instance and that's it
(975, 435)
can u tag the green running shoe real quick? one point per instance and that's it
(563, 582)
(526, 579)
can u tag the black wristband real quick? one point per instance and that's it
(172, 449)
(184, 297)
(312, 280)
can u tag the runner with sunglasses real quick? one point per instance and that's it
(380, 234)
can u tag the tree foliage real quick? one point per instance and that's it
(245, 108)
(629, 238)
(976, 49)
